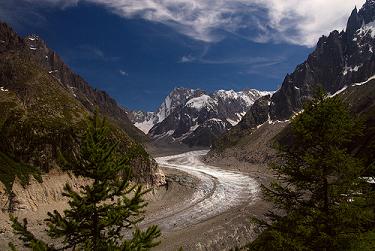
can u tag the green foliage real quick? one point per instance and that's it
(9, 170)
(321, 202)
(102, 212)
(40, 117)
(364, 242)
(29, 240)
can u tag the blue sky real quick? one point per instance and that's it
(138, 51)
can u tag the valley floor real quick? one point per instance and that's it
(203, 206)
(206, 207)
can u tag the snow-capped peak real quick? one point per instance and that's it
(228, 106)
(203, 101)
(367, 29)
(176, 98)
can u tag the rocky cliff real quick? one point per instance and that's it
(43, 107)
(339, 61)
(195, 117)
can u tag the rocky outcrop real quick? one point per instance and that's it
(48, 59)
(338, 60)
(9, 40)
(36, 193)
(90, 97)
(196, 118)
(175, 100)
(257, 115)
(43, 105)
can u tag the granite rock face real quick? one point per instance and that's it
(90, 97)
(198, 118)
(257, 115)
(340, 59)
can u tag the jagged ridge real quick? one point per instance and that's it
(195, 117)
(339, 60)
(43, 105)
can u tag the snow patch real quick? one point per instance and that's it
(145, 126)
(273, 122)
(166, 134)
(355, 84)
(3, 89)
(265, 93)
(72, 89)
(338, 92)
(351, 69)
(193, 128)
(216, 120)
(227, 94)
(201, 102)
(239, 117)
(232, 122)
(367, 29)
(370, 180)
(365, 82)
(33, 48)
(247, 96)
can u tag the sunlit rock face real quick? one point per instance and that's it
(195, 117)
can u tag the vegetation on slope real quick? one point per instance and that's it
(322, 201)
(100, 213)
(40, 117)
(10, 170)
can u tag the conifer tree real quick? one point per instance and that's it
(102, 213)
(320, 200)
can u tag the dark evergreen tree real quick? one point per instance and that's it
(102, 213)
(320, 200)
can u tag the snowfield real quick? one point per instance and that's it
(201, 102)
(218, 191)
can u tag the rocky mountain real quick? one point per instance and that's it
(178, 97)
(338, 61)
(90, 97)
(43, 106)
(195, 117)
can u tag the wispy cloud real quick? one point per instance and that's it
(236, 60)
(291, 21)
(123, 73)
(58, 3)
(187, 59)
(245, 60)
(92, 52)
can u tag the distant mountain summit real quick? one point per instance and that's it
(178, 97)
(340, 59)
(195, 117)
(342, 63)
(90, 97)
(43, 107)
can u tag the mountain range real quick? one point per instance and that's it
(43, 108)
(342, 63)
(195, 117)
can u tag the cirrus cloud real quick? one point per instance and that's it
(299, 22)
